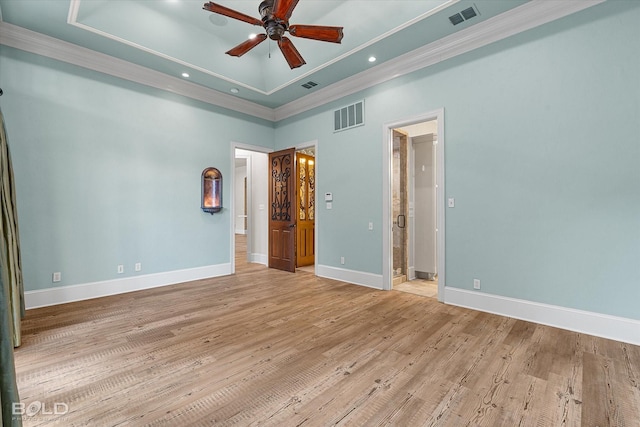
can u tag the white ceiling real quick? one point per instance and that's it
(171, 37)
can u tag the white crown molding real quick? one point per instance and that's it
(40, 44)
(531, 14)
(514, 21)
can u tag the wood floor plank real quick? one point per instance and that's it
(602, 403)
(269, 348)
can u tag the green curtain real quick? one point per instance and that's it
(12, 292)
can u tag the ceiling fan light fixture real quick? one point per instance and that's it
(275, 30)
(275, 20)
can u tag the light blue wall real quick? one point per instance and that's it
(108, 172)
(542, 156)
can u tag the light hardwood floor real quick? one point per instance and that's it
(265, 347)
(426, 288)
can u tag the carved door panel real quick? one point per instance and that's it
(305, 223)
(282, 215)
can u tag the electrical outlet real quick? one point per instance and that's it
(120, 268)
(451, 202)
(138, 266)
(342, 260)
(57, 276)
(476, 283)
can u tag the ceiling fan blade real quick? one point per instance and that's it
(246, 46)
(222, 10)
(282, 9)
(291, 54)
(317, 32)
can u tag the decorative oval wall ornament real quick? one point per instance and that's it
(211, 190)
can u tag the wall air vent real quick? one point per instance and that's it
(309, 85)
(465, 15)
(348, 117)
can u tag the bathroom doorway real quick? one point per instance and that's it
(415, 247)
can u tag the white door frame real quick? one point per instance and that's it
(231, 202)
(387, 194)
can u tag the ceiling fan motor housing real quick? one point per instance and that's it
(275, 27)
(274, 17)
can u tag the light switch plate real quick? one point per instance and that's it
(329, 205)
(452, 202)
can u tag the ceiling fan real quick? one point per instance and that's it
(275, 20)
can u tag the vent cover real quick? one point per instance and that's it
(468, 13)
(309, 85)
(348, 117)
(465, 15)
(456, 19)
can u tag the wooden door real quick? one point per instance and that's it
(282, 217)
(305, 223)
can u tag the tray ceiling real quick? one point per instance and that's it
(178, 36)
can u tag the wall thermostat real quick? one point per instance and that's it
(328, 197)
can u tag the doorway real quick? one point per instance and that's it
(413, 241)
(400, 206)
(292, 184)
(248, 204)
(252, 207)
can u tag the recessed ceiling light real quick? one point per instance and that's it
(185, 75)
(218, 20)
(372, 59)
(234, 90)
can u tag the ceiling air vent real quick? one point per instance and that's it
(456, 19)
(465, 15)
(468, 13)
(309, 85)
(348, 117)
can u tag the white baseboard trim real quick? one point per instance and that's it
(260, 259)
(350, 276)
(600, 325)
(65, 294)
(411, 273)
